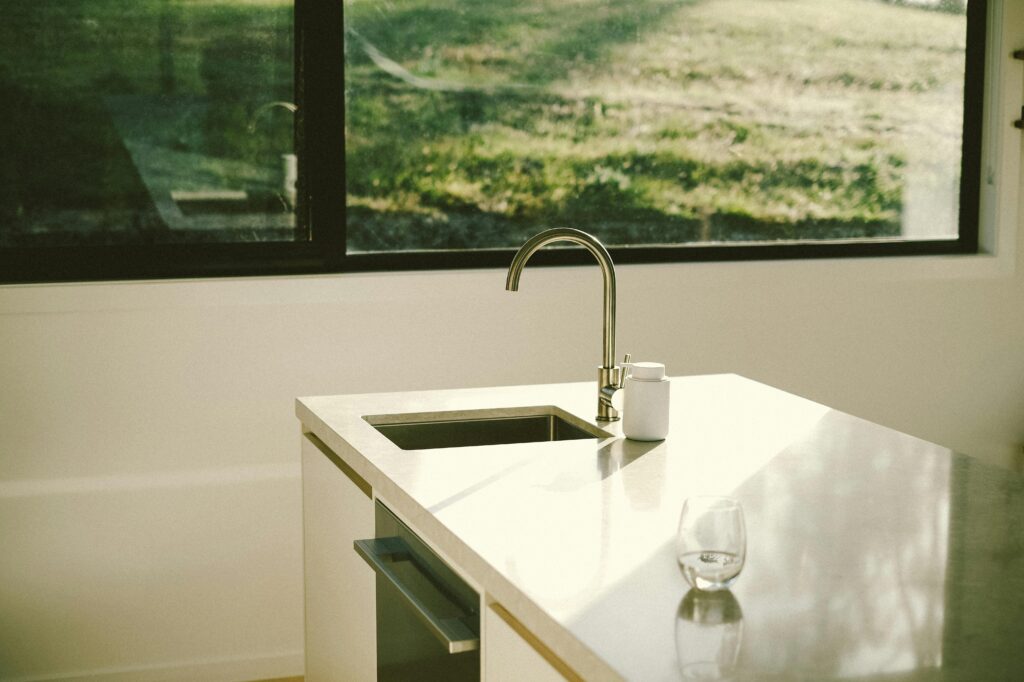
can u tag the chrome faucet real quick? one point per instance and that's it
(290, 106)
(610, 377)
(289, 161)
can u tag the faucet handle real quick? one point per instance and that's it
(624, 370)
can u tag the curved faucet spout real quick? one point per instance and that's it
(609, 375)
(267, 107)
(597, 249)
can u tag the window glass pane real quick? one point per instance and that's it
(475, 123)
(146, 121)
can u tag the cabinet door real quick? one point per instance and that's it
(512, 653)
(337, 509)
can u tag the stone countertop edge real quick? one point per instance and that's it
(496, 586)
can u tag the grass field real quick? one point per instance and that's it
(646, 120)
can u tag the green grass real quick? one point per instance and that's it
(115, 45)
(646, 119)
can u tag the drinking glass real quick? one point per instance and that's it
(711, 544)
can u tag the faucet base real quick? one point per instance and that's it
(608, 384)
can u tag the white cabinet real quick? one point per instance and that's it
(340, 593)
(512, 653)
(337, 509)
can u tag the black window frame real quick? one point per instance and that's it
(320, 145)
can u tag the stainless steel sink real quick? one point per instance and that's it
(425, 431)
(228, 202)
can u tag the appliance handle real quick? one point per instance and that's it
(380, 554)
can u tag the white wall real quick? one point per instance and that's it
(149, 461)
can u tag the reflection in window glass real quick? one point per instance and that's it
(474, 123)
(146, 121)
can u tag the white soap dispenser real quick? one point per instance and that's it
(645, 408)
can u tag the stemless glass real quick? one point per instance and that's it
(711, 544)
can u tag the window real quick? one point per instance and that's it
(142, 137)
(162, 138)
(658, 123)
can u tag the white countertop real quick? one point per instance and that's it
(867, 553)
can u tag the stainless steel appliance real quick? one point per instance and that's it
(428, 618)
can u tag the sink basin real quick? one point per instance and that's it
(227, 202)
(426, 431)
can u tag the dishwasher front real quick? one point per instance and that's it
(428, 618)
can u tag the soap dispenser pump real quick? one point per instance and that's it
(646, 402)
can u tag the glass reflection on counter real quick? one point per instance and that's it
(709, 633)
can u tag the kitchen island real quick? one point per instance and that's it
(871, 554)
